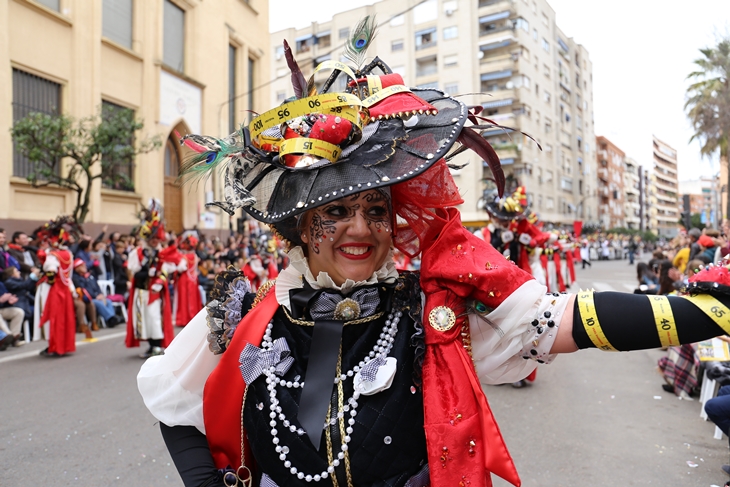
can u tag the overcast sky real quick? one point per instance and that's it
(642, 51)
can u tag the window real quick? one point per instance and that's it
(32, 94)
(525, 53)
(280, 96)
(451, 60)
(577, 80)
(279, 52)
(396, 45)
(451, 88)
(545, 20)
(324, 40)
(425, 12)
(537, 89)
(546, 70)
(121, 175)
(231, 89)
(546, 96)
(395, 21)
(173, 33)
(566, 184)
(426, 38)
(304, 43)
(548, 125)
(451, 32)
(577, 100)
(116, 20)
(545, 45)
(345, 32)
(521, 23)
(534, 34)
(172, 159)
(251, 78)
(52, 4)
(550, 202)
(426, 66)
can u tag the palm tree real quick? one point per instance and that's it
(708, 106)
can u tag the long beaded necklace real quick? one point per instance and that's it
(381, 350)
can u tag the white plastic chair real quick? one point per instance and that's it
(107, 287)
(707, 392)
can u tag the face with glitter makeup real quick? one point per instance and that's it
(348, 238)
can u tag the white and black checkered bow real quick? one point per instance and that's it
(323, 308)
(255, 360)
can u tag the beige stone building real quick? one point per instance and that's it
(665, 199)
(610, 184)
(176, 63)
(512, 59)
(632, 193)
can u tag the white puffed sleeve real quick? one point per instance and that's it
(51, 264)
(172, 384)
(133, 263)
(504, 340)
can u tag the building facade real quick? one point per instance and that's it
(183, 66)
(647, 213)
(512, 59)
(666, 189)
(610, 161)
(704, 199)
(632, 203)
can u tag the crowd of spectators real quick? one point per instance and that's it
(102, 260)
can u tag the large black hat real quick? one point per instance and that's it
(322, 146)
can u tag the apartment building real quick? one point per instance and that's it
(184, 66)
(647, 212)
(704, 199)
(632, 203)
(665, 200)
(510, 57)
(610, 171)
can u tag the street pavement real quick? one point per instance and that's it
(591, 418)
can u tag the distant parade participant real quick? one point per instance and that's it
(149, 307)
(187, 300)
(54, 316)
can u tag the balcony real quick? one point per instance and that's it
(487, 3)
(426, 66)
(603, 174)
(494, 23)
(495, 44)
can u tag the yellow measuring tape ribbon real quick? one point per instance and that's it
(298, 108)
(666, 327)
(588, 316)
(332, 64)
(718, 312)
(316, 147)
(383, 94)
(374, 84)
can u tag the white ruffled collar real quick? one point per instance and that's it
(298, 269)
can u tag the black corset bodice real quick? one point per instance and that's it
(388, 444)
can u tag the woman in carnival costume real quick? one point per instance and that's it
(54, 314)
(149, 308)
(187, 300)
(344, 371)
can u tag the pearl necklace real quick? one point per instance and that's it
(381, 349)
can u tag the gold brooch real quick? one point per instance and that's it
(442, 318)
(347, 309)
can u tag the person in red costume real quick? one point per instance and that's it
(187, 300)
(54, 303)
(345, 371)
(260, 270)
(149, 307)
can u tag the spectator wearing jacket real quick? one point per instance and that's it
(26, 256)
(11, 321)
(90, 292)
(6, 260)
(23, 289)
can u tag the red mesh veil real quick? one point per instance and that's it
(417, 202)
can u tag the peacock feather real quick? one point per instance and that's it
(361, 39)
(208, 154)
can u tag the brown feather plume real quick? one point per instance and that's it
(474, 141)
(297, 78)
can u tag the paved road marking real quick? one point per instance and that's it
(80, 343)
(602, 286)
